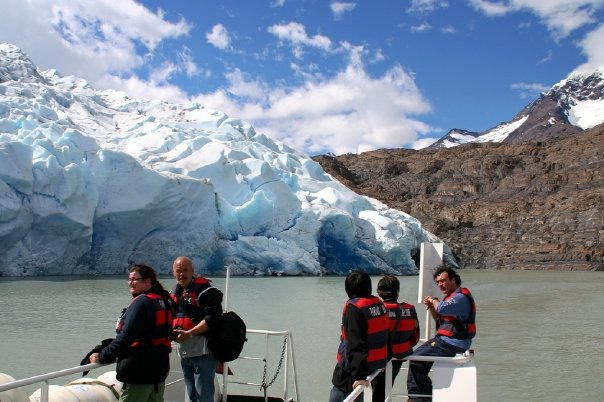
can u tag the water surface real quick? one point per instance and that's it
(539, 336)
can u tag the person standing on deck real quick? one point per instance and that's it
(363, 340)
(144, 339)
(455, 317)
(198, 309)
(403, 331)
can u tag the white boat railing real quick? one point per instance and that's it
(286, 363)
(448, 385)
(45, 378)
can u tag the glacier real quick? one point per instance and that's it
(92, 181)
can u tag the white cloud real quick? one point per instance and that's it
(295, 33)
(96, 39)
(187, 64)
(338, 8)
(490, 8)
(529, 90)
(592, 47)
(560, 16)
(547, 58)
(347, 112)
(350, 112)
(423, 27)
(242, 87)
(424, 142)
(426, 6)
(162, 74)
(137, 88)
(219, 37)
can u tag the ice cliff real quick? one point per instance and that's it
(92, 181)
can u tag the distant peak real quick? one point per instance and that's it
(15, 65)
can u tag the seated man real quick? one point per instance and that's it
(455, 317)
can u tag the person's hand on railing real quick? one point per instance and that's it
(360, 382)
(94, 358)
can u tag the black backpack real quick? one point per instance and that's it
(228, 338)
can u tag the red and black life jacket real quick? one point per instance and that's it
(377, 333)
(188, 312)
(147, 360)
(461, 329)
(161, 332)
(404, 332)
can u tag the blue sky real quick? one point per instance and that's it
(321, 76)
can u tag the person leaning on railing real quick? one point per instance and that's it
(403, 331)
(143, 339)
(363, 338)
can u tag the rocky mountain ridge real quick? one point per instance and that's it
(574, 104)
(537, 204)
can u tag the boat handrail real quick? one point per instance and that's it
(289, 359)
(44, 378)
(459, 359)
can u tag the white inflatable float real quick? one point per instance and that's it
(12, 395)
(104, 388)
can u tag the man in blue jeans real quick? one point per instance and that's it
(198, 309)
(455, 317)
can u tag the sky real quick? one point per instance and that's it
(321, 76)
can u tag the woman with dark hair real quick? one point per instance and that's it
(143, 341)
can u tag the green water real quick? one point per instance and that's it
(539, 333)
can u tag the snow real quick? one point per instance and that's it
(93, 181)
(587, 114)
(501, 132)
(459, 139)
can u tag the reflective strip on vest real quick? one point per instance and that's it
(161, 333)
(402, 327)
(460, 329)
(377, 333)
(187, 309)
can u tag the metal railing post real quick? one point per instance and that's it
(44, 391)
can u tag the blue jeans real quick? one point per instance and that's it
(199, 374)
(418, 381)
(337, 395)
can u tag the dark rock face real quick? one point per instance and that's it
(530, 205)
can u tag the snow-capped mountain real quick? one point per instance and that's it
(92, 181)
(574, 104)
